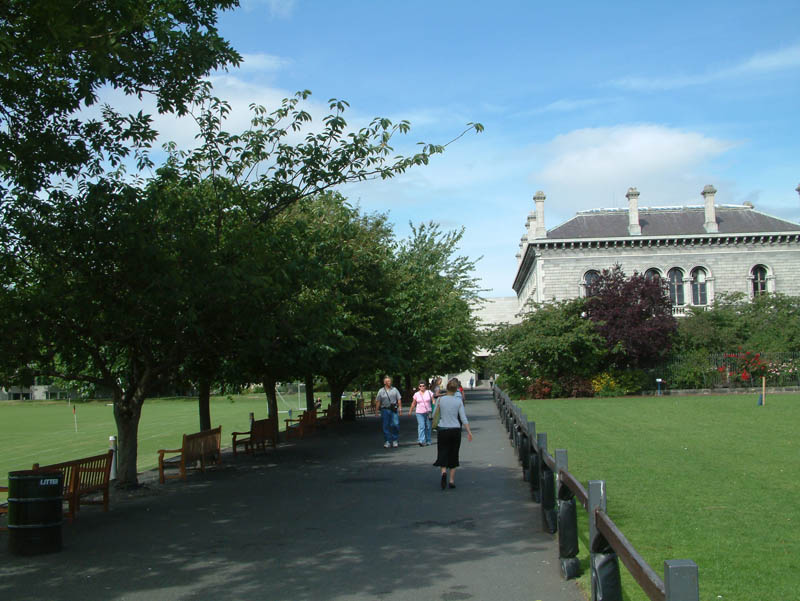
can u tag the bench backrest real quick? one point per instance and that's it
(262, 428)
(201, 444)
(82, 474)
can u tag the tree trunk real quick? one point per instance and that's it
(126, 414)
(337, 389)
(309, 392)
(204, 397)
(272, 403)
(409, 391)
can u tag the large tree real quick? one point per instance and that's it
(99, 292)
(274, 164)
(432, 294)
(353, 340)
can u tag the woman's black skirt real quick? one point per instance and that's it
(447, 444)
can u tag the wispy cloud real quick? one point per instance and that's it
(568, 105)
(762, 63)
(278, 9)
(263, 62)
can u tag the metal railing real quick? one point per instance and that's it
(558, 493)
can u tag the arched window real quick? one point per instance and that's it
(699, 286)
(652, 274)
(675, 277)
(759, 274)
(589, 278)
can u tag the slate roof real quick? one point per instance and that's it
(668, 221)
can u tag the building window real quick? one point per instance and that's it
(675, 277)
(759, 276)
(652, 274)
(589, 278)
(699, 286)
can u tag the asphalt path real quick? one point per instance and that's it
(334, 516)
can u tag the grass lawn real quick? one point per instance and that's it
(712, 479)
(44, 431)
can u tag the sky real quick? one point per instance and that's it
(581, 100)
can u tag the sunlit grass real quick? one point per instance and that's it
(44, 431)
(712, 479)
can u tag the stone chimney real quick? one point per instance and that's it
(540, 231)
(634, 227)
(710, 225)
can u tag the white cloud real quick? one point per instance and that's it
(262, 62)
(758, 64)
(591, 168)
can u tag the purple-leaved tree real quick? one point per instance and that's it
(634, 315)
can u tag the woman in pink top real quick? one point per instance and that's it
(423, 403)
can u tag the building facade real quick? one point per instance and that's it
(701, 251)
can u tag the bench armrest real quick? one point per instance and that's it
(239, 433)
(162, 451)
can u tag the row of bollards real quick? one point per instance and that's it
(558, 493)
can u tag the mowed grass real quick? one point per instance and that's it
(713, 479)
(44, 431)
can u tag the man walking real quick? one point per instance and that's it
(390, 403)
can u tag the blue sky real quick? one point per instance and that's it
(580, 100)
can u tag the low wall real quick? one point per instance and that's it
(714, 391)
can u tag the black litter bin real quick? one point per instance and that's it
(349, 411)
(34, 512)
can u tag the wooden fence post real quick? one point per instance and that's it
(547, 486)
(681, 580)
(603, 562)
(524, 447)
(531, 454)
(567, 523)
(536, 470)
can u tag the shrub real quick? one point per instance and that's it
(619, 383)
(573, 386)
(539, 389)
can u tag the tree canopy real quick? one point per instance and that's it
(56, 56)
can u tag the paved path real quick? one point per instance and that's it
(332, 517)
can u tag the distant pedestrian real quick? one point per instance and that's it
(471, 382)
(437, 392)
(390, 403)
(423, 402)
(451, 418)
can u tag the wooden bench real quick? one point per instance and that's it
(197, 447)
(331, 415)
(261, 431)
(303, 424)
(83, 477)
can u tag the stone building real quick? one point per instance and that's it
(701, 251)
